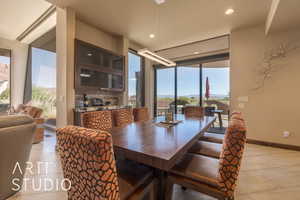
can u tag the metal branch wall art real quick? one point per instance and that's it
(271, 63)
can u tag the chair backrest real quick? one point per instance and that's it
(88, 162)
(220, 105)
(141, 114)
(231, 155)
(16, 135)
(122, 117)
(236, 115)
(208, 111)
(100, 120)
(32, 111)
(193, 111)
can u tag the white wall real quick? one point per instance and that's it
(65, 94)
(275, 107)
(19, 53)
(90, 34)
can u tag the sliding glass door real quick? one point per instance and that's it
(188, 86)
(218, 81)
(216, 76)
(177, 87)
(165, 90)
(205, 84)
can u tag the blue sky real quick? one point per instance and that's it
(188, 81)
(43, 68)
(4, 59)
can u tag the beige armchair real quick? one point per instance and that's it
(36, 114)
(16, 135)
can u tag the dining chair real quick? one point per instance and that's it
(193, 111)
(218, 138)
(88, 163)
(211, 176)
(213, 137)
(122, 117)
(212, 149)
(141, 114)
(100, 120)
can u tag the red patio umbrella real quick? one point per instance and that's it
(207, 93)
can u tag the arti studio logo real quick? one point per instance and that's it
(40, 184)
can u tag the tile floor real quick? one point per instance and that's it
(266, 174)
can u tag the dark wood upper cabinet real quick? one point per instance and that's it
(97, 68)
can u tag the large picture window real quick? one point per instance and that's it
(44, 81)
(165, 90)
(205, 84)
(135, 80)
(4, 79)
(188, 86)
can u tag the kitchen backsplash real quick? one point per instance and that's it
(113, 99)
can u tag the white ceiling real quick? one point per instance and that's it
(197, 49)
(18, 15)
(174, 23)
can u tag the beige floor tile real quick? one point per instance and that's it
(266, 174)
(285, 194)
(41, 196)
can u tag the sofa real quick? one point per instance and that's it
(16, 135)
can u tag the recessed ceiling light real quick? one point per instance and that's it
(196, 52)
(159, 1)
(152, 36)
(229, 11)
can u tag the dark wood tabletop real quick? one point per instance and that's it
(158, 146)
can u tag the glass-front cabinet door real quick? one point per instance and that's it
(98, 69)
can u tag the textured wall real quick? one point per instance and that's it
(275, 107)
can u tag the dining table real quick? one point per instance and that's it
(157, 145)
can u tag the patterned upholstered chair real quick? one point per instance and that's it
(213, 149)
(141, 114)
(36, 114)
(193, 111)
(100, 120)
(122, 117)
(218, 138)
(214, 177)
(88, 162)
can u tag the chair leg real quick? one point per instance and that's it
(148, 191)
(169, 189)
(228, 198)
(153, 190)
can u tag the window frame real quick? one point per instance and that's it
(9, 51)
(199, 61)
(132, 51)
